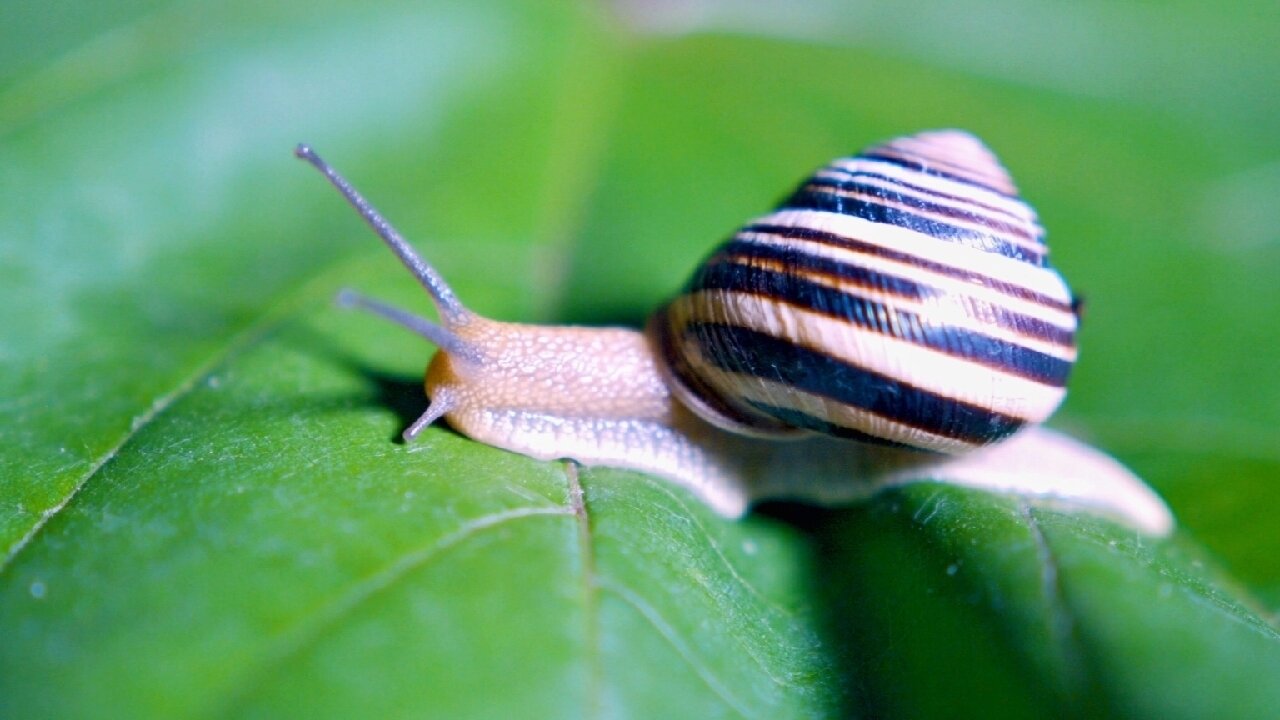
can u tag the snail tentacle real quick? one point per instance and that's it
(442, 401)
(451, 309)
(435, 333)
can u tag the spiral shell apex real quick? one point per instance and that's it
(901, 296)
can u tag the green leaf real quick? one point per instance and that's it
(203, 507)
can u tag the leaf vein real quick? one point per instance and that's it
(591, 616)
(655, 619)
(724, 559)
(1061, 625)
(310, 629)
(162, 403)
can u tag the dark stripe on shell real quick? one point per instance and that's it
(850, 243)
(748, 352)
(808, 199)
(729, 410)
(863, 278)
(914, 162)
(799, 419)
(968, 213)
(879, 317)
(861, 174)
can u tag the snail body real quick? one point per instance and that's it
(591, 394)
(901, 298)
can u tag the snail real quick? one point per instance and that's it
(895, 319)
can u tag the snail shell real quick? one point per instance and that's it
(901, 296)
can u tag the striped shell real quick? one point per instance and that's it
(901, 296)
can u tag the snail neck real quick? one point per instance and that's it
(540, 372)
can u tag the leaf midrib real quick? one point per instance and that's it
(310, 629)
(242, 341)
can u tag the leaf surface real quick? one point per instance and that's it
(203, 507)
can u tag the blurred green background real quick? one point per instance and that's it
(202, 512)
